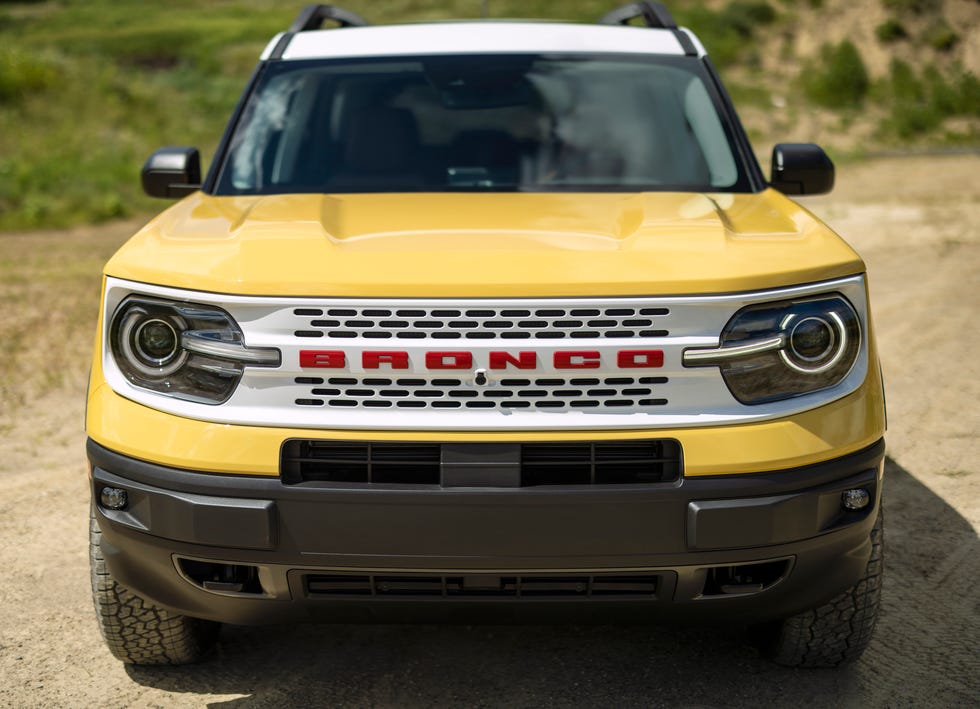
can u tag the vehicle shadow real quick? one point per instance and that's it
(923, 653)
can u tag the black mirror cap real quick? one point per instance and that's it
(801, 169)
(172, 172)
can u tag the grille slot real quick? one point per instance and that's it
(600, 463)
(336, 461)
(556, 394)
(482, 323)
(638, 462)
(637, 585)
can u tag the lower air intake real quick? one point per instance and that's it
(632, 462)
(637, 585)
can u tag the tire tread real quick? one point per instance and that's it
(137, 631)
(837, 632)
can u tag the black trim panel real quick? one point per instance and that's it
(686, 44)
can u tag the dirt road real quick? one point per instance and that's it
(916, 221)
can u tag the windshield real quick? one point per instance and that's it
(493, 123)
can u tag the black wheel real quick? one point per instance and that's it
(136, 631)
(837, 632)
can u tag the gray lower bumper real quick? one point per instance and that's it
(675, 533)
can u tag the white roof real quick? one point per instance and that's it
(480, 38)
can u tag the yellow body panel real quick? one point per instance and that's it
(484, 245)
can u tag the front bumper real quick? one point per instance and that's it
(739, 547)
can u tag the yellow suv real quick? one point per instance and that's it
(486, 320)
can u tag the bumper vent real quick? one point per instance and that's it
(330, 461)
(584, 586)
(523, 464)
(604, 463)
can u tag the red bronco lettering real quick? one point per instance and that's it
(563, 359)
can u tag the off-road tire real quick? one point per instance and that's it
(837, 632)
(136, 631)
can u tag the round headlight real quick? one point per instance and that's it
(150, 341)
(783, 349)
(814, 343)
(811, 339)
(190, 351)
(156, 341)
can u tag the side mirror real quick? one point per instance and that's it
(801, 168)
(172, 172)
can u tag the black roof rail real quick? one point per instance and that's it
(312, 17)
(653, 14)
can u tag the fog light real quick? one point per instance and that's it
(113, 498)
(855, 499)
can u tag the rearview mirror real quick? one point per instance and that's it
(801, 169)
(172, 172)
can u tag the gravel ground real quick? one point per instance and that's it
(916, 222)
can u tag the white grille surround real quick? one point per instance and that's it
(478, 397)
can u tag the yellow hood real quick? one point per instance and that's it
(484, 245)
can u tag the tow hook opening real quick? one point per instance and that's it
(221, 577)
(742, 579)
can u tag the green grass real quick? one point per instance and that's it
(89, 88)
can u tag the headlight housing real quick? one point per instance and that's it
(184, 350)
(785, 349)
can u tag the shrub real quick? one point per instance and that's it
(959, 94)
(940, 36)
(920, 104)
(915, 7)
(746, 15)
(905, 86)
(942, 93)
(968, 91)
(21, 74)
(891, 30)
(910, 120)
(838, 79)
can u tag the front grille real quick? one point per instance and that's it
(538, 393)
(633, 462)
(461, 365)
(483, 323)
(584, 586)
